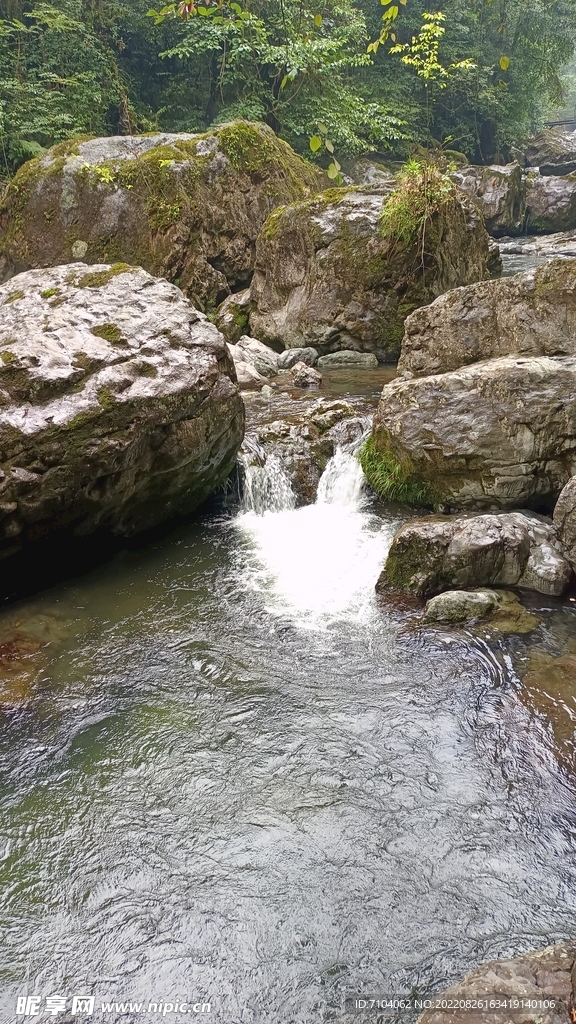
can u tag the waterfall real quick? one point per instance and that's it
(342, 482)
(318, 564)
(267, 487)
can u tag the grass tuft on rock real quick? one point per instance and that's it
(390, 478)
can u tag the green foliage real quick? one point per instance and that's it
(390, 478)
(422, 189)
(377, 76)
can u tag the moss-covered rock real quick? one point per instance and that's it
(497, 609)
(328, 275)
(118, 405)
(184, 207)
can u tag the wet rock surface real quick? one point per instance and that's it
(435, 554)
(327, 277)
(303, 376)
(496, 608)
(118, 405)
(302, 434)
(565, 520)
(530, 251)
(546, 974)
(513, 200)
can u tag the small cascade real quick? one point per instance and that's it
(316, 564)
(267, 487)
(342, 482)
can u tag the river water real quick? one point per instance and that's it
(230, 775)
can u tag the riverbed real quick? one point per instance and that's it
(231, 775)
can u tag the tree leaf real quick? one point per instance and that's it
(329, 145)
(332, 171)
(318, 20)
(322, 128)
(315, 143)
(504, 63)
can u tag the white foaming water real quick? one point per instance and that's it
(317, 564)
(267, 487)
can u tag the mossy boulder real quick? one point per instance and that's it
(118, 403)
(327, 275)
(184, 207)
(497, 609)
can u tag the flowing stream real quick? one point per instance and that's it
(230, 775)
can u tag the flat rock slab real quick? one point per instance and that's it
(118, 403)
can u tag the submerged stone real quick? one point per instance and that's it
(498, 608)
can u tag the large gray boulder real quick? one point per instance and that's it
(184, 207)
(550, 202)
(434, 554)
(532, 988)
(327, 276)
(513, 201)
(496, 434)
(118, 403)
(553, 151)
(533, 313)
(500, 194)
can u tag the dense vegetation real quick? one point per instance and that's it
(356, 75)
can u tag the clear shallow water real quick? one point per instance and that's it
(232, 776)
(529, 251)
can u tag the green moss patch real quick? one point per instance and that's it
(105, 398)
(98, 278)
(110, 332)
(49, 292)
(391, 478)
(13, 297)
